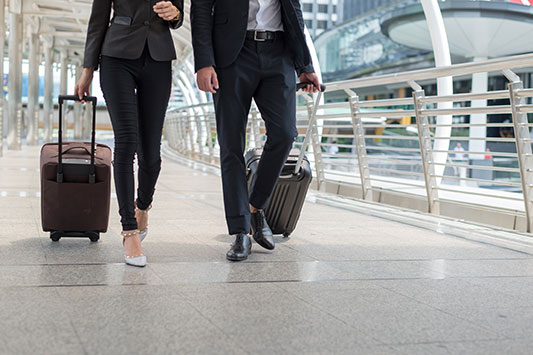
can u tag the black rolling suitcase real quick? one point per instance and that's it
(75, 184)
(285, 205)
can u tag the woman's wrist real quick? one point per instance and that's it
(176, 18)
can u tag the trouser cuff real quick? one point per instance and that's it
(258, 199)
(239, 224)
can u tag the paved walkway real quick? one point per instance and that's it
(344, 283)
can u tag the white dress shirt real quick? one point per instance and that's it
(265, 15)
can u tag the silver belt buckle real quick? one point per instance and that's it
(259, 39)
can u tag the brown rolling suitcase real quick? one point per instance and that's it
(75, 184)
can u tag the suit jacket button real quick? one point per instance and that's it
(146, 23)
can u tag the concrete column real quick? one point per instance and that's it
(78, 114)
(63, 84)
(33, 90)
(48, 107)
(480, 83)
(14, 132)
(2, 49)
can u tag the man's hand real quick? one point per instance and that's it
(166, 10)
(207, 79)
(310, 77)
(82, 86)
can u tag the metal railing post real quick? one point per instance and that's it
(360, 145)
(192, 151)
(426, 153)
(256, 127)
(317, 150)
(199, 134)
(523, 145)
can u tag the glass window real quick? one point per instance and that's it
(323, 8)
(322, 24)
(308, 7)
(309, 23)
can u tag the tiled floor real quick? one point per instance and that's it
(344, 283)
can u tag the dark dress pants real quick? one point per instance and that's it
(263, 71)
(136, 92)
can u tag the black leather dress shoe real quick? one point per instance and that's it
(261, 231)
(240, 249)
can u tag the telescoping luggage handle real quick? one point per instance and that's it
(312, 121)
(62, 98)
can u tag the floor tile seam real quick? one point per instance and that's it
(479, 325)
(222, 282)
(312, 305)
(330, 261)
(486, 340)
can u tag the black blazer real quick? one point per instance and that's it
(134, 23)
(219, 29)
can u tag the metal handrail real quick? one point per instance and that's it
(356, 129)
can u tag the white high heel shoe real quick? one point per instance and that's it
(136, 260)
(142, 214)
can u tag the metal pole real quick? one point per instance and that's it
(441, 50)
(33, 90)
(424, 139)
(86, 127)
(480, 82)
(14, 129)
(48, 107)
(2, 49)
(63, 84)
(360, 146)
(523, 145)
(78, 117)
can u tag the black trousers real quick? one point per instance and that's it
(265, 72)
(136, 92)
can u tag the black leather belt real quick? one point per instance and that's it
(262, 36)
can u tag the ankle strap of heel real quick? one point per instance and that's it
(130, 233)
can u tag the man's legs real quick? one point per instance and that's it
(276, 100)
(237, 84)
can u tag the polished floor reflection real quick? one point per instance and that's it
(344, 283)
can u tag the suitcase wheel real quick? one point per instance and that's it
(55, 236)
(94, 237)
(286, 235)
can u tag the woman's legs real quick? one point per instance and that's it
(153, 93)
(118, 82)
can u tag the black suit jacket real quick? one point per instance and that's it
(134, 23)
(219, 29)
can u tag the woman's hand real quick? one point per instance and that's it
(84, 83)
(166, 10)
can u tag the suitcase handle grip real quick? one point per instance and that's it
(62, 99)
(303, 84)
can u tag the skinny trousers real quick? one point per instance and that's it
(136, 92)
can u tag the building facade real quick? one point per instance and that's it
(349, 9)
(320, 15)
